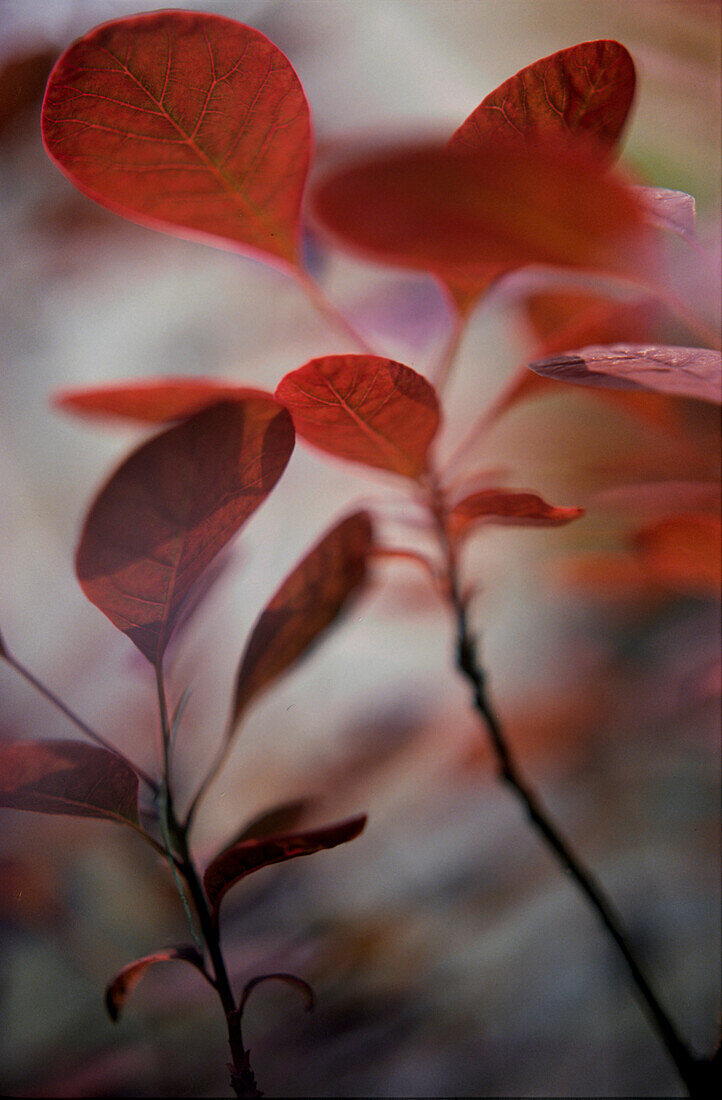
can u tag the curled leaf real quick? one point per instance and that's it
(506, 506)
(240, 860)
(67, 777)
(290, 979)
(306, 604)
(470, 213)
(167, 511)
(364, 408)
(681, 372)
(189, 123)
(151, 401)
(671, 210)
(125, 981)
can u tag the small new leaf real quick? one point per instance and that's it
(508, 507)
(125, 981)
(67, 777)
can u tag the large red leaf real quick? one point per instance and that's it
(242, 859)
(125, 981)
(67, 777)
(472, 214)
(305, 605)
(681, 372)
(170, 508)
(507, 506)
(189, 123)
(364, 408)
(151, 401)
(583, 91)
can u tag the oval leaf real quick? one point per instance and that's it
(170, 508)
(188, 123)
(509, 507)
(476, 214)
(305, 605)
(67, 777)
(365, 409)
(583, 91)
(681, 372)
(151, 401)
(242, 859)
(125, 981)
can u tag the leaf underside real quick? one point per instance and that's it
(122, 985)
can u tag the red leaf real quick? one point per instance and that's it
(365, 409)
(67, 777)
(188, 123)
(305, 605)
(170, 508)
(460, 213)
(683, 553)
(583, 91)
(277, 820)
(151, 401)
(242, 859)
(682, 372)
(507, 506)
(290, 979)
(125, 981)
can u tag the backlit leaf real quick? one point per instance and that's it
(364, 408)
(242, 859)
(67, 777)
(170, 508)
(189, 123)
(681, 372)
(683, 552)
(290, 979)
(125, 981)
(507, 506)
(583, 91)
(152, 401)
(306, 604)
(472, 214)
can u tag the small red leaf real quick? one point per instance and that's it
(681, 372)
(365, 409)
(306, 604)
(507, 506)
(474, 214)
(583, 91)
(242, 859)
(170, 508)
(67, 777)
(290, 979)
(151, 401)
(125, 981)
(189, 123)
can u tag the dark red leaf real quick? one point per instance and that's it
(507, 506)
(290, 979)
(152, 401)
(472, 214)
(22, 80)
(125, 981)
(683, 552)
(67, 777)
(189, 123)
(583, 91)
(170, 508)
(681, 372)
(278, 820)
(365, 409)
(242, 859)
(305, 605)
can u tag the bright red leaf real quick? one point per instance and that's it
(583, 91)
(365, 409)
(507, 506)
(189, 123)
(151, 401)
(125, 981)
(242, 859)
(472, 214)
(681, 372)
(305, 605)
(170, 508)
(67, 777)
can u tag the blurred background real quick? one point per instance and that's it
(449, 954)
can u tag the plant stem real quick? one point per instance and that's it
(329, 311)
(443, 367)
(696, 1073)
(81, 725)
(241, 1075)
